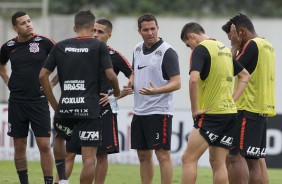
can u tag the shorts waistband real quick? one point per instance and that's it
(263, 115)
(257, 114)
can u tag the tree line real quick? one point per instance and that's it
(201, 8)
(198, 8)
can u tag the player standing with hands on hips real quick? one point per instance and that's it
(79, 63)
(110, 140)
(27, 103)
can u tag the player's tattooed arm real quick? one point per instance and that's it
(54, 81)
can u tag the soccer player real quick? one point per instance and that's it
(212, 103)
(110, 142)
(27, 103)
(156, 75)
(257, 55)
(79, 63)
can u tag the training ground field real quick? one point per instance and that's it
(117, 174)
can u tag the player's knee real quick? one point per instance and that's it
(102, 157)
(163, 158)
(231, 159)
(44, 148)
(214, 162)
(186, 158)
(144, 157)
(253, 164)
(163, 155)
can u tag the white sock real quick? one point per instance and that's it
(63, 182)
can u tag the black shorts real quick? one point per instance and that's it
(73, 144)
(109, 136)
(250, 135)
(110, 142)
(89, 130)
(217, 129)
(151, 132)
(21, 115)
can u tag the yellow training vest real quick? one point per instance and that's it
(215, 92)
(258, 96)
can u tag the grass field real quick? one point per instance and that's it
(117, 174)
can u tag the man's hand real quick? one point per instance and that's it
(198, 113)
(127, 89)
(104, 100)
(235, 38)
(124, 93)
(149, 91)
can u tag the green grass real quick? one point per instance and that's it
(117, 174)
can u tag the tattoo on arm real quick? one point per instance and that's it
(54, 81)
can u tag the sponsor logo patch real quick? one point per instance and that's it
(11, 43)
(226, 140)
(76, 50)
(73, 100)
(75, 112)
(74, 85)
(140, 67)
(253, 151)
(65, 129)
(220, 47)
(89, 135)
(212, 137)
(36, 39)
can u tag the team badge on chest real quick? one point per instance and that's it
(34, 47)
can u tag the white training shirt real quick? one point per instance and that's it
(148, 68)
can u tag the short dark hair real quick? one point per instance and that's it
(146, 17)
(106, 23)
(191, 27)
(239, 20)
(84, 19)
(17, 15)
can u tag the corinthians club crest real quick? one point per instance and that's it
(34, 47)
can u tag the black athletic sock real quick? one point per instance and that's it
(23, 176)
(61, 169)
(48, 179)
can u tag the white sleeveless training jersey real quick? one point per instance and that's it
(148, 68)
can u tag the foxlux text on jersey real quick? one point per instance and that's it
(73, 100)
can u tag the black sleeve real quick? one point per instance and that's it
(120, 63)
(105, 57)
(49, 44)
(50, 62)
(237, 67)
(170, 65)
(248, 57)
(4, 57)
(199, 57)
